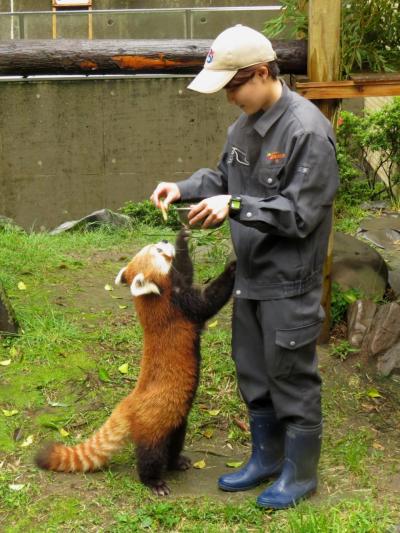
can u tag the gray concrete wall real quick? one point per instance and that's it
(43, 5)
(156, 25)
(70, 147)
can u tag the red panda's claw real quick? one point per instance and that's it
(160, 488)
(182, 463)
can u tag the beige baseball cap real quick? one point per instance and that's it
(235, 48)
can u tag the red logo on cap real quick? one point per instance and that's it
(210, 56)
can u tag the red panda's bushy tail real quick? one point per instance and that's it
(90, 455)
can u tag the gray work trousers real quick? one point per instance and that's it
(274, 349)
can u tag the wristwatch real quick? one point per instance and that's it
(235, 205)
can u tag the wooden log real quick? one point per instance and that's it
(323, 64)
(8, 322)
(103, 56)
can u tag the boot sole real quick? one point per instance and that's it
(247, 487)
(275, 507)
(232, 489)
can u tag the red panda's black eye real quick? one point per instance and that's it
(159, 250)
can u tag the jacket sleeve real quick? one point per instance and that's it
(206, 182)
(311, 183)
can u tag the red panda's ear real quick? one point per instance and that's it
(140, 286)
(121, 278)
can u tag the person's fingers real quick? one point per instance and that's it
(171, 197)
(155, 196)
(196, 208)
(160, 192)
(198, 213)
(209, 221)
(197, 218)
(215, 218)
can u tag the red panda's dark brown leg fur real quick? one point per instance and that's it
(176, 461)
(151, 462)
(182, 266)
(218, 292)
(202, 305)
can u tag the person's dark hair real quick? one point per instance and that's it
(245, 74)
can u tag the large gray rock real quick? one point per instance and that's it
(387, 220)
(103, 217)
(356, 265)
(359, 319)
(390, 361)
(384, 331)
(394, 282)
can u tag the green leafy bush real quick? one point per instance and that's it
(342, 350)
(341, 299)
(147, 214)
(370, 32)
(372, 136)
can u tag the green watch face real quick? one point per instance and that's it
(236, 204)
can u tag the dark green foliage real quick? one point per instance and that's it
(145, 213)
(360, 138)
(342, 350)
(340, 301)
(370, 32)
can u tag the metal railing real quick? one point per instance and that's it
(179, 23)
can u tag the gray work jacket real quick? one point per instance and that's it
(282, 162)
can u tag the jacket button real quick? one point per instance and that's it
(248, 215)
(238, 292)
(270, 180)
(292, 343)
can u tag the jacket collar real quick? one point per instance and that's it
(271, 115)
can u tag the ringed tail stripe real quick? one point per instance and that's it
(91, 454)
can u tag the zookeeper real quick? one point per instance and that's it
(276, 182)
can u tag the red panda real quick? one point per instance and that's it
(172, 314)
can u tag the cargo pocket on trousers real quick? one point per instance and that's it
(295, 349)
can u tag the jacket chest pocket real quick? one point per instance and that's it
(269, 177)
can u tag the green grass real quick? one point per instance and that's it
(64, 375)
(348, 217)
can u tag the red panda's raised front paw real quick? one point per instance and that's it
(184, 234)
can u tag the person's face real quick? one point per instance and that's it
(253, 95)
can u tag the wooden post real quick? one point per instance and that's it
(323, 64)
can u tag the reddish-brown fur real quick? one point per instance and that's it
(154, 414)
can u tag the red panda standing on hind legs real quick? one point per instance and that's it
(172, 313)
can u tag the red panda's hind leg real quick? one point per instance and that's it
(176, 461)
(151, 461)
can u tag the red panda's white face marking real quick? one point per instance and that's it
(159, 256)
(147, 269)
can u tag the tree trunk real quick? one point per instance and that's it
(101, 56)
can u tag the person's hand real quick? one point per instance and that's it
(166, 192)
(212, 211)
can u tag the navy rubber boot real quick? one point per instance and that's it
(268, 440)
(298, 479)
